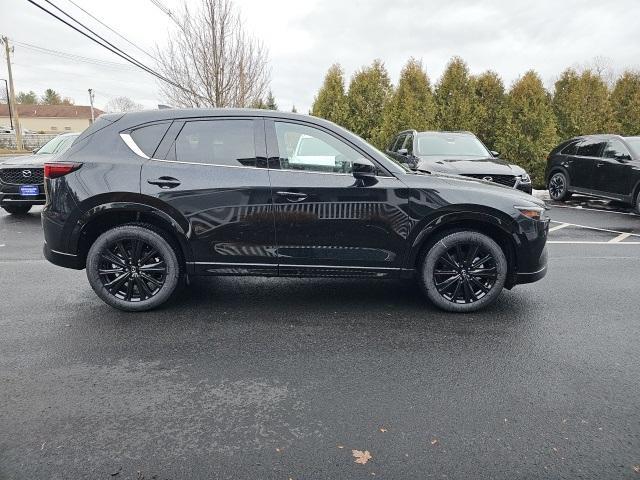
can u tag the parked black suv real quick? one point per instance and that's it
(460, 153)
(145, 198)
(606, 166)
(22, 177)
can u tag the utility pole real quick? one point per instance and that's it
(6, 89)
(12, 94)
(91, 103)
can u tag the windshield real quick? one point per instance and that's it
(56, 145)
(451, 145)
(634, 143)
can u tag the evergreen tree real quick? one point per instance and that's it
(581, 104)
(530, 130)
(625, 100)
(331, 102)
(27, 98)
(410, 106)
(455, 98)
(51, 97)
(271, 102)
(369, 92)
(490, 107)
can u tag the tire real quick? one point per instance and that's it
(636, 204)
(558, 187)
(451, 284)
(17, 209)
(145, 285)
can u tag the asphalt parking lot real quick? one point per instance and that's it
(272, 378)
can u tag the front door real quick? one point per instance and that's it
(210, 173)
(613, 172)
(327, 222)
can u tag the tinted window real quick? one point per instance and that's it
(399, 143)
(570, 149)
(219, 142)
(590, 148)
(148, 138)
(616, 149)
(310, 149)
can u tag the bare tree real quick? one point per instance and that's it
(122, 104)
(213, 59)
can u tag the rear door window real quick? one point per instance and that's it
(570, 149)
(216, 142)
(148, 138)
(591, 148)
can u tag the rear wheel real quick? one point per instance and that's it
(558, 187)
(17, 209)
(636, 205)
(464, 271)
(132, 268)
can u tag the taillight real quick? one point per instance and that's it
(55, 170)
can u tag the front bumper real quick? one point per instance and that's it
(10, 195)
(536, 273)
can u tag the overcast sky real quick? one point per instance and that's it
(305, 37)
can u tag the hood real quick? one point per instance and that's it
(461, 165)
(26, 161)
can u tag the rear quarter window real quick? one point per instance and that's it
(149, 137)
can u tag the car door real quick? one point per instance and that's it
(327, 221)
(582, 164)
(613, 172)
(212, 172)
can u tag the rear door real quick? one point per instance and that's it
(212, 172)
(328, 222)
(613, 172)
(582, 164)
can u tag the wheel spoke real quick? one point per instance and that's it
(136, 250)
(129, 293)
(469, 294)
(459, 255)
(480, 285)
(443, 286)
(154, 267)
(449, 259)
(143, 289)
(471, 254)
(456, 291)
(484, 272)
(148, 255)
(481, 261)
(123, 251)
(151, 279)
(110, 271)
(114, 284)
(112, 258)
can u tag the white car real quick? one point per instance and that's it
(313, 151)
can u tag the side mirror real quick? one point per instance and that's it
(35, 150)
(495, 154)
(363, 169)
(403, 151)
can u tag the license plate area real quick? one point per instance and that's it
(29, 190)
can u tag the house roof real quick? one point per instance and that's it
(51, 111)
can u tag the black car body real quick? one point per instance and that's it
(437, 152)
(22, 177)
(605, 166)
(223, 188)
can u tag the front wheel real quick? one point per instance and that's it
(132, 268)
(17, 209)
(464, 271)
(558, 187)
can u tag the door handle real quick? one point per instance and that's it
(165, 182)
(293, 196)
(599, 165)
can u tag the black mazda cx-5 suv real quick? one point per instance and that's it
(145, 200)
(605, 166)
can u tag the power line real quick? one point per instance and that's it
(112, 30)
(161, 6)
(109, 46)
(71, 56)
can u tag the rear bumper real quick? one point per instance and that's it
(62, 259)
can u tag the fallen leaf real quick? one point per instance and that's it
(340, 446)
(636, 468)
(360, 456)
(382, 429)
(278, 449)
(434, 441)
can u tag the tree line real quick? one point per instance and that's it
(49, 97)
(523, 122)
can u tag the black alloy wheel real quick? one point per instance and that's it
(558, 187)
(464, 271)
(132, 268)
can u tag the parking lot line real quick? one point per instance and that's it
(619, 238)
(594, 228)
(584, 242)
(580, 207)
(558, 227)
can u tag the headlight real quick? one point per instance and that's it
(525, 178)
(534, 213)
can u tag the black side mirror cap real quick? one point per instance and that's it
(363, 169)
